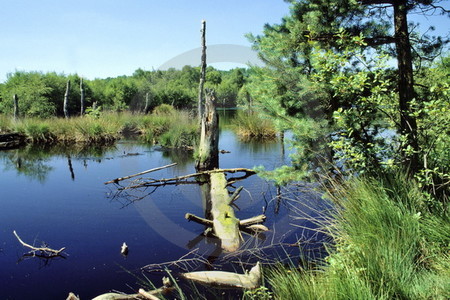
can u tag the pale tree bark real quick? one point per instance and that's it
(66, 100)
(81, 97)
(202, 72)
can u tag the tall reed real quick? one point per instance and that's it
(167, 127)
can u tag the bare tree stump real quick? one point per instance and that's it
(208, 154)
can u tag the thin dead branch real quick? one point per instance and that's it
(43, 251)
(141, 173)
(181, 179)
(184, 263)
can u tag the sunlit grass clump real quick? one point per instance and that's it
(250, 125)
(387, 247)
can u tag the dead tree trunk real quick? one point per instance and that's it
(147, 103)
(208, 154)
(202, 72)
(81, 97)
(66, 100)
(16, 107)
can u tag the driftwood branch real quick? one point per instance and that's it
(250, 280)
(46, 252)
(141, 173)
(251, 221)
(142, 294)
(186, 262)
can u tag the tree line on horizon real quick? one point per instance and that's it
(42, 94)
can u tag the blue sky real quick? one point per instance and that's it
(101, 38)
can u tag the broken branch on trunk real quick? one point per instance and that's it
(141, 173)
(44, 251)
(251, 226)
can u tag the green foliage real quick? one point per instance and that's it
(261, 293)
(164, 109)
(386, 247)
(41, 94)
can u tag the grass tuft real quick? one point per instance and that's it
(250, 125)
(386, 248)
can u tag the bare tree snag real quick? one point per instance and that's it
(66, 100)
(147, 103)
(250, 280)
(16, 107)
(81, 97)
(202, 72)
(208, 154)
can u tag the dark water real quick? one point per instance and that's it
(57, 196)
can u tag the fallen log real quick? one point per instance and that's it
(11, 140)
(44, 251)
(225, 223)
(141, 173)
(250, 280)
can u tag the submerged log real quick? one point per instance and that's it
(250, 280)
(208, 152)
(11, 140)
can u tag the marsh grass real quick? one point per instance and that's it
(250, 125)
(170, 128)
(386, 247)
